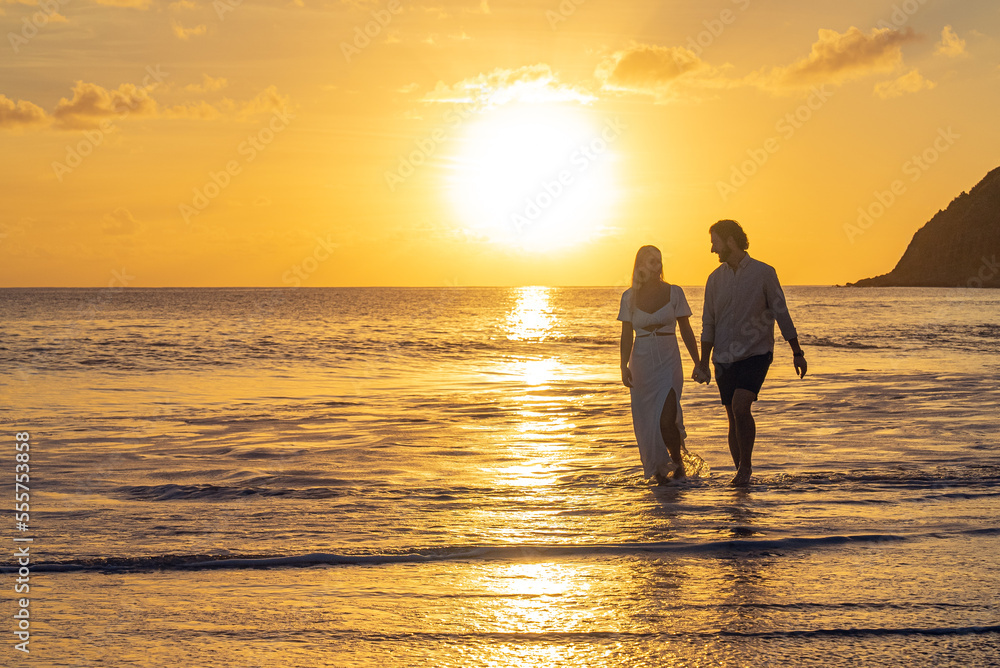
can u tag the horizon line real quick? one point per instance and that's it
(398, 287)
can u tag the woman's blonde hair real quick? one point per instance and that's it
(640, 274)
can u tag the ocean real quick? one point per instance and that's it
(448, 477)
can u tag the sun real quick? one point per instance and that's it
(536, 176)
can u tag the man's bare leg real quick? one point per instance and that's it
(746, 434)
(734, 445)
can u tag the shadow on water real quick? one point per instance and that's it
(671, 496)
(742, 514)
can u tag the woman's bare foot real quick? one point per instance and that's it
(679, 473)
(742, 477)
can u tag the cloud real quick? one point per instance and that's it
(133, 4)
(185, 33)
(951, 44)
(644, 68)
(265, 102)
(838, 57)
(360, 4)
(198, 110)
(91, 104)
(20, 114)
(671, 73)
(207, 84)
(911, 82)
(531, 83)
(119, 222)
(439, 12)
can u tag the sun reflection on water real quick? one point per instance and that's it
(525, 597)
(535, 372)
(606, 611)
(531, 317)
(537, 440)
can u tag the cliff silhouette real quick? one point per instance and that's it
(958, 247)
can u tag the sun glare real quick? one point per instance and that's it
(537, 177)
(531, 317)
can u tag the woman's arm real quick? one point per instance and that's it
(688, 335)
(626, 353)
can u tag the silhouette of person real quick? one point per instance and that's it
(743, 300)
(652, 310)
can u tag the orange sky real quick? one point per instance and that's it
(302, 142)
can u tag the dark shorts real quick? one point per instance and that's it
(747, 374)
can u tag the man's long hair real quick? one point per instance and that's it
(730, 229)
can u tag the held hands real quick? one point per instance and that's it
(701, 375)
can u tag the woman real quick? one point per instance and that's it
(651, 369)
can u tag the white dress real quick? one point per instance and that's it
(656, 369)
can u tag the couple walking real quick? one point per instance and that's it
(743, 299)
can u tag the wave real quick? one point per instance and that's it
(627, 636)
(583, 340)
(174, 492)
(333, 488)
(823, 342)
(986, 331)
(160, 352)
(957, 482)
(940, 478)
(480, 553)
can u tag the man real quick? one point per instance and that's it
(743, 299)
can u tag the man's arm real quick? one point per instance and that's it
(708, 314)
(702, 372)
(777, 304)
(775, 297)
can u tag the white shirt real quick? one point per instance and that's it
(741, 308)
